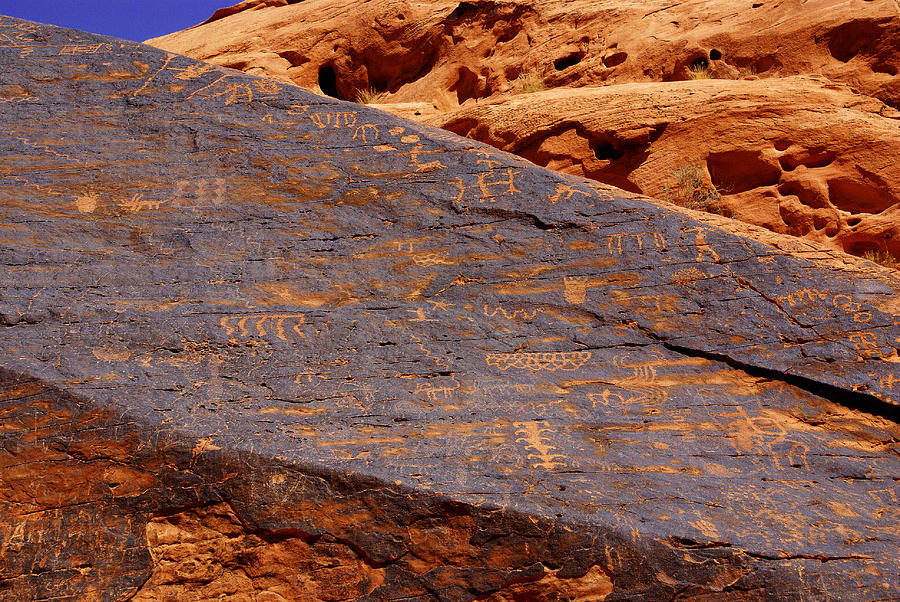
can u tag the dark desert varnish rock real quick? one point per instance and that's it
(261, 343)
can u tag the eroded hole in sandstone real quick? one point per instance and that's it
(807, 196)
(468, 85)
(861, 247)
(701, 62)
(733, 172)
(328, 81)
(508, 33)
(885, 67)
(849, 39)
(657, 131)
(615, 59)
(853, 221)
(570, 60)
(782, 145)
(463, 10)
(605, 151)
(858, 197)
(811, 158)
(793, 219)
(715, 55)
(512, 72)
(294, 58)
(757, 64)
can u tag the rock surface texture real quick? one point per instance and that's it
(812, 157)
(263, 344)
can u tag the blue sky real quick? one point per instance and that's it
(130, 19)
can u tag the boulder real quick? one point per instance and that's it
(261, 344)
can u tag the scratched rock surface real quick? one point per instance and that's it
(260, 344)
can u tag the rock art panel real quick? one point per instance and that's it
(258, 341)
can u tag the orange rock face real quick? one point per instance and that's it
(800, 156)
(448, 51)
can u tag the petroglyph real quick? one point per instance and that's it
(438, 361)
(87, 202)
(137, 203)
(440, 305)
(643, 376)
(213, 190)
(802, 296)
(342, 119)
(560, 360)
(688, 276)
(863, 341)
(575, 289)
(565, 192)
(502, 183)
(185, 191)
(643, 368)
(16, 95)
(607, 398)
(20, 40)
(437, 393)
(366, 132)
(703, 247)
(654, 305)
(46, 148)
(534, 435)
(254, 326)
(72, 49)
(510, 315)
(761, 434)
(192, 71)
(231, 92)
(884, 496)
(147, 82)
(414, 160)
(421, 315)
(14, 39)
(845, 303)
(432, 258)
(614, 242)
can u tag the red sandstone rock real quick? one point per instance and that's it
(447, 52)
